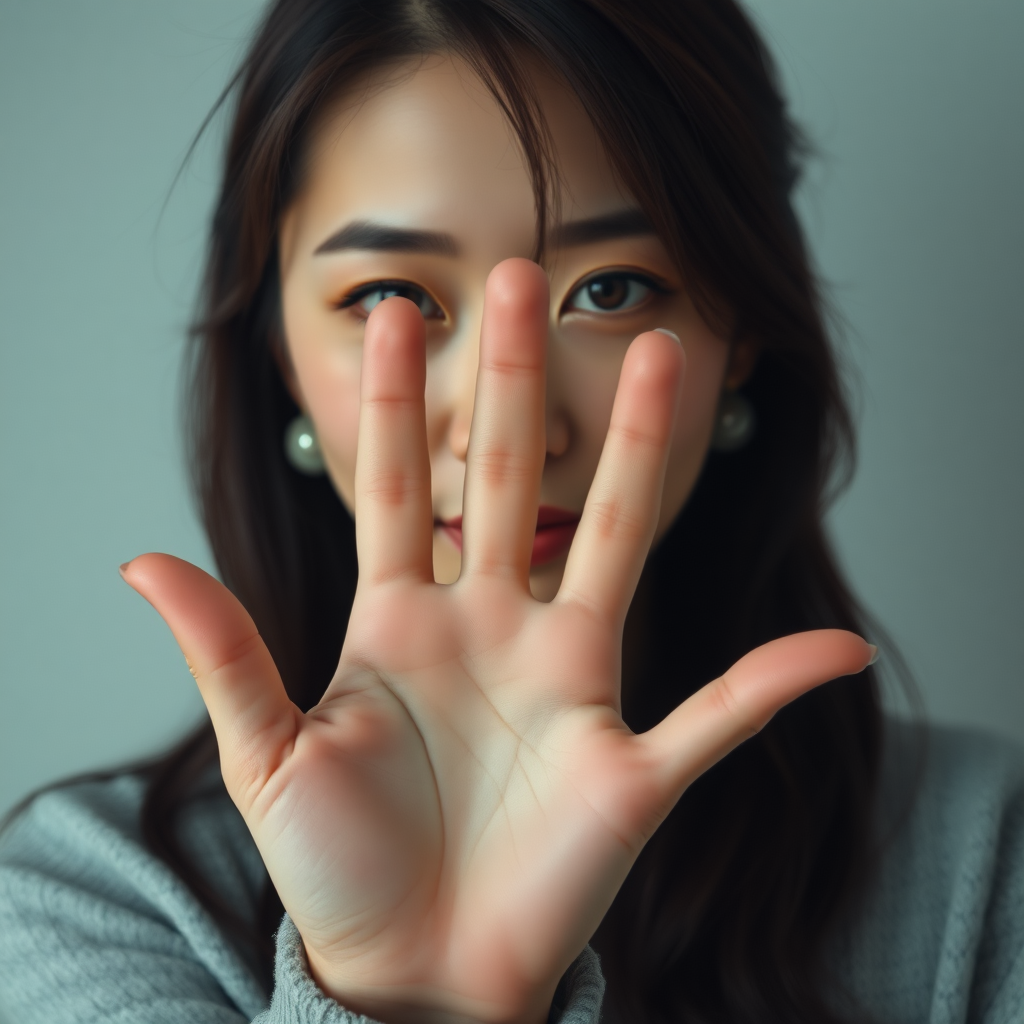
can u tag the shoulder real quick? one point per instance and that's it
(962, 770)
(91, 831)
(955, 792)
(951, 814)
(81, 894)
(86, 833)
(942, 927)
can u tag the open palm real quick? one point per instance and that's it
(450, 823)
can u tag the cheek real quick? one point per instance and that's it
(327, 370)
(583, 379)
(587, 382)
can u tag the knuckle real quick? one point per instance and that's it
(394, 487)
(615, 519)
(514, 363)
(500, 464)
(724, 696)
(248, 647)
(390, 404)
(634, 437)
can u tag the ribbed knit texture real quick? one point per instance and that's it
(297, 1000)
(94, 929)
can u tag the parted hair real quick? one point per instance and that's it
(729, 909)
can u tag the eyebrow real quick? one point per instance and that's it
(362, 234)
(623, 224)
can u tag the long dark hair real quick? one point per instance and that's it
(727, 912)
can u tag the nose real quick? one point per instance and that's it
(462, 390)
(463, 396)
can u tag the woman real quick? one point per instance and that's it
(451, 812)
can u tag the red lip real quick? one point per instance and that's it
(556, 528)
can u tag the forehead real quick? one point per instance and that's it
(427, 145)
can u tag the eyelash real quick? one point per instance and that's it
(432, 310)
(629, 278)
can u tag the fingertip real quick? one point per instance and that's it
(394, 349)
(803, 661)
(130, 570)
(515, 268)
(675, 350)
(394, 306)
(514, 330)
(207, 620)
(655, 355)
(142, 569)
(393, 322)
(856, 651)
(515, 278)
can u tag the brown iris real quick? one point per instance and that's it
(608, 292)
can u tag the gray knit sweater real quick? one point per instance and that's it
(94, 929)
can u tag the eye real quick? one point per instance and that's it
(362, 299)
(612, 293)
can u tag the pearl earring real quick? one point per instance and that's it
(734, 425)
(301, 447)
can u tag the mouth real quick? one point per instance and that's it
(556, 528)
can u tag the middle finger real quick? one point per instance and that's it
(505, 459)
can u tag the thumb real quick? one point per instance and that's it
(252, 716)
(721, 715)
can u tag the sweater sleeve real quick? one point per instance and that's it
(95, 929)
(298, 1000)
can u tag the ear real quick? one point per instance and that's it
(742, 360)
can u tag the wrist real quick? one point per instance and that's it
(422, 1005)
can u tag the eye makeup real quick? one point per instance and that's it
(362, 299)
(613, 291)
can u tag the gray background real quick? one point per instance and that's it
(913, 206)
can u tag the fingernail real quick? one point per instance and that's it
(123, 567)
(875, 654)
(671, 334)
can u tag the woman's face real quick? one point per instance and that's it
(417, 187)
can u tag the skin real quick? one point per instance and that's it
(448, 826)
(432, 151)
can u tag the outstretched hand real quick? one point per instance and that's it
(447, 827)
